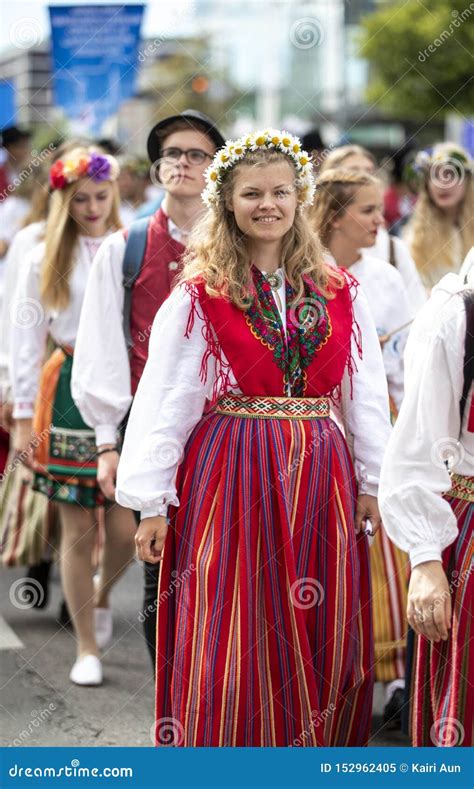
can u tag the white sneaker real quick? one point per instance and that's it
(103, 626)
(87, 670)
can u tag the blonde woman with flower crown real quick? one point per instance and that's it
(440, 232)
(247, 492)
(83, 211)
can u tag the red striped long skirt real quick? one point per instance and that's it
(443, 676)
(264, 623)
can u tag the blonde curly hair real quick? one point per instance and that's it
(336, 191)
(433, 236)
(217, 252)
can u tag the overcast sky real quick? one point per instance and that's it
(32, 16)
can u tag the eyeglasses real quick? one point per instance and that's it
(193, 155)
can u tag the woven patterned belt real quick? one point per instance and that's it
(461, 487)
(273, 407)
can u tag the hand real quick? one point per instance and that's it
(429, 601)
(22, 438)
(6, 419)
(367, 509)
(107, 465)
(150, 539)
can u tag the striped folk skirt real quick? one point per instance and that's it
(264, 617)
(389, 567)
(443, 673)
(65, 456)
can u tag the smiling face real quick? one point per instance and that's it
(178, 176)
(361, 219)
(91, 205)
(264, 201)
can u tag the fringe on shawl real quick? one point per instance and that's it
(356, 336)
(222, 383)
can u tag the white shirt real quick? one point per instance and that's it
(32, 322)
(428, 430)
(171, 397)
(24, 241)
(405, 265)
(387, 297)
(101, 379)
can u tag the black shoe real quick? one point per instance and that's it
(64, 618)
(37, 592)
(392, 714)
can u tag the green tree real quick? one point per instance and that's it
(421, 57)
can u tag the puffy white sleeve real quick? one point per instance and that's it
(28, 335)
(426, 434)
(169, 402)
(392, 354)
(101, 383)
(365, 410)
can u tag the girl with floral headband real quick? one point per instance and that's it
(267, 624)
(440, 232)
(50, 434)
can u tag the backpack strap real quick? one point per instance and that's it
(131, 266)
(468, 297)
(392, 258)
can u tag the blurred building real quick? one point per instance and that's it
(29, 73)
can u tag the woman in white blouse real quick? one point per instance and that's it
(347, 213)
(263, 617)
(57, 443)
(427, 502)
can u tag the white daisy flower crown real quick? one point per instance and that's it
(236, 150)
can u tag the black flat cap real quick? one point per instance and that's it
(194, 117)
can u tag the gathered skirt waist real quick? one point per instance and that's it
(257, 407)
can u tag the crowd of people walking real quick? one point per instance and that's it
(257, 373)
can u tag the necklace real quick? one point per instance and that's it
(275, 280)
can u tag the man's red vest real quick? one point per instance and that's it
(160, 267)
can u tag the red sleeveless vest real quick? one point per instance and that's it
(161, 264)
(254, 362)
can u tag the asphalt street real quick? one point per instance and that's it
(40, 707)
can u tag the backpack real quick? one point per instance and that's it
(131, 266)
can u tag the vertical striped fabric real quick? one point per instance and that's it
(264, 623)
(389, 567)
(443, 675)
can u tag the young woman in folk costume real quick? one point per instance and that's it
(440, 232)
(263, 619)
(427, 500)
(83, 210)
(386, 246)
(347, 214)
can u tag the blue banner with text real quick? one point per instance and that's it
(95, 55)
